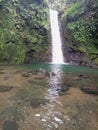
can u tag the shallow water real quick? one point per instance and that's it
(35, 99)
(65, 67)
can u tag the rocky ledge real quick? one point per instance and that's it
(90, 89)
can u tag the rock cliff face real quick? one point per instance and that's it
(23, 31)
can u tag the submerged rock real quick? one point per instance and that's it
(42, 71)
(53, 74)
(1, 72)
(90, 89)
(1, 69)
(10, 125)
(25, 74)
(4, 88)
(64, 87)
(59, 86)
(6, 78)
(37, 102)
(83, 75)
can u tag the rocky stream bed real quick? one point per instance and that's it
(26, 102)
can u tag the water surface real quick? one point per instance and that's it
(36, 97)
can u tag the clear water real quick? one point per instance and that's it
(74, 69)
(35, 98)
(91, 74)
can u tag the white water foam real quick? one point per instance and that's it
(57, 55)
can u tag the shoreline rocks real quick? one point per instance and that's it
(5, 88)
(10, 125)
(90, 89)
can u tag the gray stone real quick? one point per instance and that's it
(4, 88)
(10, 125)
(90, 89)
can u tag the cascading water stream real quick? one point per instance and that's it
(55, 80)
(57, 55)
(51, 116)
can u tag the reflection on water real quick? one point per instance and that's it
(52, 95)
(54, 81)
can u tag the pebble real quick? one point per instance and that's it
(37, 115)
(55, 125)
(58, 120)
(50, 126)
(58, 113)
(44, 120)
(67, 118)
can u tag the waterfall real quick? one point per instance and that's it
(57, 55)
(55, 80)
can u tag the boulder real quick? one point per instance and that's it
(64, 87)
(52, 74)
(59, 86)
(4, 88)
(90, 89)
(10, 125)
(83, 75)
(37, 102)
(1, 72)
(42, 71)
(25, 74)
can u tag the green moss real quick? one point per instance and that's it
(96, 61)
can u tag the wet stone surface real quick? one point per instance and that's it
(1, 72)
(37, 103)
(10, 125)
(90, 89)
(4, 88)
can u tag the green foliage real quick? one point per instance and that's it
(74, 11)
(23, 27)
(82, 30)
(46, 1)
(12, 53)
(82, 23)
